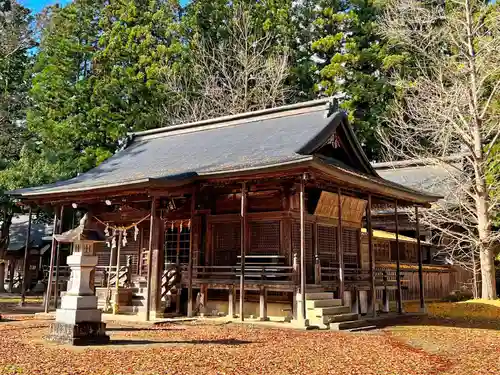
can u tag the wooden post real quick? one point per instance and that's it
(51, 267)
(371, 256)
(263, 304)
(317, 270)
(231, 302)
(303, 310)
(420, 267)
(26, 255)
(11, 268)
(398, 261)
(149, 258)
(58, 261)
(190, 260)
(340, 249)
(243, 248)
(117, 278)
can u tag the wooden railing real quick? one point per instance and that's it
(63, 274)
(101, 277)
(170, 279)
(383, 276)
(107, 274)
(253, 273)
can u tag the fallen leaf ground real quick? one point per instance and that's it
(434, 345)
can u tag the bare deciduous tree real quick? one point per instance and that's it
(449, 105)
(242, 72)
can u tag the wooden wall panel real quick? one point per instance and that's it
(353, 209)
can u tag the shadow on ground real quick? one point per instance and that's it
(232, 342)
(139, 329)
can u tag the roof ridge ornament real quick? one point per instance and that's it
(332, 106)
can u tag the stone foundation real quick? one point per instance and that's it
(83, 333)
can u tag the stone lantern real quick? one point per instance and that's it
(78, 321)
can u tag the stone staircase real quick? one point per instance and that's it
(327, 312)
(139, 291)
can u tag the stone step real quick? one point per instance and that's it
(328, 319)
(323, 303)
(319, 295)
(335, 310)
(349, 324)
(361, 329)
(139, 290)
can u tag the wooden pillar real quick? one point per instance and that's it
(26, 256)
(263, 304)
(52, 261)
(303, 311)
(420, 268)
(369, 229)
(58, 260)
(190, 260)
(149, 258)
(340, 249)
(398, 261)
(117, 274)
(231, 302)
(243, 236)
(10, 269)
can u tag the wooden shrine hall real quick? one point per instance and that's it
(251, 212)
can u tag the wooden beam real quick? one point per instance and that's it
(340, 247)
(26, 255)
(150, 257)
(190, 260)
(398, 261)
(303, 249)
(244, 226)
(420, 267)
(371, 256)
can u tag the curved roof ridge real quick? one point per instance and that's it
(252, 116)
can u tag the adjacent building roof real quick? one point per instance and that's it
(423, 175)
(279, 137)
(18, 231)
(383, 235)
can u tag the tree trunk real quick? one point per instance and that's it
(4, 244)
(486, 254)
(2, 277)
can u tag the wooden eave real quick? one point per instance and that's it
(318, 169)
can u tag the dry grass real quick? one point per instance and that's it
(439, 344)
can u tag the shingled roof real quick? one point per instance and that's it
(424, 175)
(279, 137)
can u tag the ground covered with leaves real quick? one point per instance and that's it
(433, 345)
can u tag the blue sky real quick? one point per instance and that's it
(38, 5)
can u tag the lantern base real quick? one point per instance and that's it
(78, 334)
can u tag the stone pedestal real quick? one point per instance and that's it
(78, 321)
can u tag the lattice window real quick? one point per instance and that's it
(327, 246)
(176, 245)
(226, 243)
(411, 252)
(350, 247)
(382, 251)
(265, 237)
